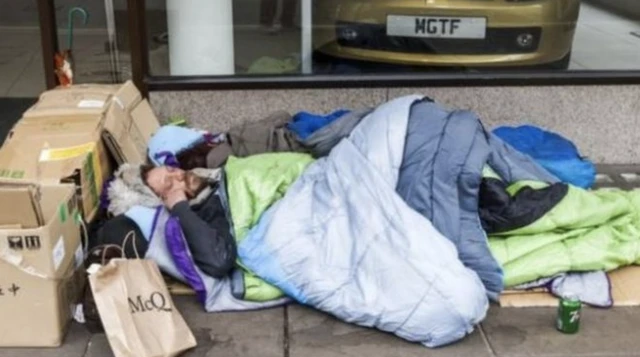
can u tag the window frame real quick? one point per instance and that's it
(146, 82)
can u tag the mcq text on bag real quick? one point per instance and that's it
(156, 301)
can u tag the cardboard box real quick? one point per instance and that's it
(127, 121)
(41, 268)
(68, 154)
(68, 134)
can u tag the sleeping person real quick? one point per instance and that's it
(190, 198)
(181, 221)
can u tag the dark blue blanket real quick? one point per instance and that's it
(552, 151)
(304, 124)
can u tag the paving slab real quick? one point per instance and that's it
(242, 334)
(98, 346)
(259, 333)
(513, 332)
(315, 334)
(75, 345)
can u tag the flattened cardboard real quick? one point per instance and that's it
(40, 273)
(176, 287)
(625, 289)
(625, 286)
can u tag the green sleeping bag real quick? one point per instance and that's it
(253, 184)
(585, 231)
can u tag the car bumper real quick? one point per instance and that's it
(551, 22)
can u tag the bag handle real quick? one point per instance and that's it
(131, 235)
(105, 248)
(85, 232)
(85, 237)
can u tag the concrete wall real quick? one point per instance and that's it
(601, 120)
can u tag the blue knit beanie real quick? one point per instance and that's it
(170, 140)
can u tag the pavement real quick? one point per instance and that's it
(296, 331)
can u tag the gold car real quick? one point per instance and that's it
(469, 33)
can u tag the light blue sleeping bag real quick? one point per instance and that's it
(344, 242)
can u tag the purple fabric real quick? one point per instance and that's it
(593, 288)
(104, 195)
(182, 257)
(155, 222)
(169, 158)
(214, 138)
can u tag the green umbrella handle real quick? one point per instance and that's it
(85, 19)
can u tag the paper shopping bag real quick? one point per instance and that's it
(137, 312)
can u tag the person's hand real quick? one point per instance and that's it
(174, 196)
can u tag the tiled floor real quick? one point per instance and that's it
(603, 41)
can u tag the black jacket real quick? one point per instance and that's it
(204, 225)
(208, 235)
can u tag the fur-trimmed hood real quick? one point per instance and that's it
(128, 189)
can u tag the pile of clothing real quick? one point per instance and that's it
(408, 217)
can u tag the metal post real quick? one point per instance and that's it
(306, 47)
(114, 53)
(49, 40)
(138, 43)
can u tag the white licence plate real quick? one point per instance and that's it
(437, 26)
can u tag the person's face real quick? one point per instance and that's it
(164, 179)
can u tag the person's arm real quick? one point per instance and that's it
(213, 252)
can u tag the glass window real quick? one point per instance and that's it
(279, 37)
(98, 41)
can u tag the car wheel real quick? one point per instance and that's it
(561, 64)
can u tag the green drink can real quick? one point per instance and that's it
(569, 309)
